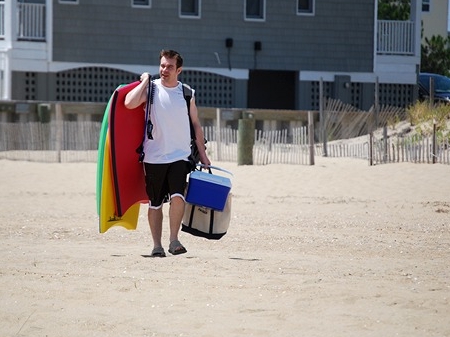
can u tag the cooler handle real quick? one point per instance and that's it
(216, 168)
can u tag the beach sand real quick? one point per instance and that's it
(335, 249)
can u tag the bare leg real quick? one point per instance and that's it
(176, 213)
(155, 219)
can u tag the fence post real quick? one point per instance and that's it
(376, 103)
(434, 154)
(59, 131)
(322, 119)
(385, 143)
(246, 138)
(218, 136)
(311, 137)
(431, 102)
(371, 148)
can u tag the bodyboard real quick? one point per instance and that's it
(108, 216)
(101, 149)
(126, 131)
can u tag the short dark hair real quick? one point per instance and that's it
(170, 54)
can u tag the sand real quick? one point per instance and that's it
(335, 249)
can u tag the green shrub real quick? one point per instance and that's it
(423, 115)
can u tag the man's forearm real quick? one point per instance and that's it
(136, 96)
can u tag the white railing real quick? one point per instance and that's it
(395, 37)
(31, 22)
(2, 20)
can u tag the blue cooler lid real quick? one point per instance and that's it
(211, 178)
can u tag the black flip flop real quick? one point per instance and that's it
(158, 252)
(176, 248)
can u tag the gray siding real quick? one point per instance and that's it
(339, 37)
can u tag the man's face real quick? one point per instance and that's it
(168, 71)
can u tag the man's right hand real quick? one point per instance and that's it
(145, 77)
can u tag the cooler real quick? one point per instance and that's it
(208, 190)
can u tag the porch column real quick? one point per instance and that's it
(415, 15)
(5, 85)
(10, 29)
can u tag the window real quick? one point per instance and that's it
(41, 2)
(255, 10)
(74, 2)
(425, 5)
(305, 7)
(190, 8)
(141, 3)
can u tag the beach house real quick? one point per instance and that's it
(238, 53)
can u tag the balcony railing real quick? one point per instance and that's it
(31, 22)
(395, 37)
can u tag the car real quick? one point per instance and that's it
(441, 87)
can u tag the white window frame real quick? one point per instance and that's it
(306, 13)
(193, 15)
(261, 19)
(428, 4)
(148, 5)
(68, 2)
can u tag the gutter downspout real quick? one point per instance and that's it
(49, 45)
(375, 35)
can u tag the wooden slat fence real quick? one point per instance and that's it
(226, 148)
(358, 150)
(271, 146)
(78, 141)
(412, 149)
(344, 121)
(47, 142)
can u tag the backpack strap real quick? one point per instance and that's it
(148, 126)
(187, 93)
(194, 157)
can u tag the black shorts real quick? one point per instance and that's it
(163, 181)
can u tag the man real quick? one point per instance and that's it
(166, 155)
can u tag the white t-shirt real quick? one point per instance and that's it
(171, 130)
